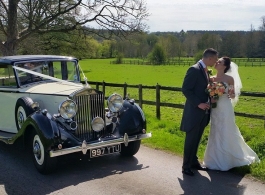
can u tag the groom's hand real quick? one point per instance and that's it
(204, 106)
(213, 100)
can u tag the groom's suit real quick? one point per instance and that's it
(194, 119)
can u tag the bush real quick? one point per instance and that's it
(157, 55)
(198, 56)
(119, 58)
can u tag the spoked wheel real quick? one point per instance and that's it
(43, 162)
(22, 110)
(131, 149)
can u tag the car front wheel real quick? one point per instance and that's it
(131, 149)
(43, 162)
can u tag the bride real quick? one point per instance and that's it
(226, 147)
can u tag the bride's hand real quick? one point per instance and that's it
(231, 92)
(231, 96)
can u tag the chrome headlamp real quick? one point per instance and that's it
(97, 124)
(68, 109)
(115, 102)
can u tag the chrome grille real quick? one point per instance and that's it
(90, 105)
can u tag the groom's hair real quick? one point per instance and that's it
(210, 52)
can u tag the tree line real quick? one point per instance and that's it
(62, 28)
(156, 47)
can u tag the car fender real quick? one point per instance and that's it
(44, 126)
(51, 133)
(131, 120)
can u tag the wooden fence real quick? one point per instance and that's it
(160, 104)
(240, 62)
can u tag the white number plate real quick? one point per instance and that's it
(105, 150)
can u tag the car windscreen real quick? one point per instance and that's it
(64, 70)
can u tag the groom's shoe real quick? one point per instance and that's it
(188, 172)
(200, 167)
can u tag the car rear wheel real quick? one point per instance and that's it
(22, 110)
(131, 149)
(43, 162)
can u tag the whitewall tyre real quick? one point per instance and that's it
(22, 110)
(42, 161)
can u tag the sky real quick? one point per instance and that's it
(177, 15)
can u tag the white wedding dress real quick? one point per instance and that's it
(226, 147)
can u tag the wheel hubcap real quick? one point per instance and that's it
(38, 150)
(21, 115)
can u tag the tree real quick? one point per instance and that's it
(209, 41)
(231, 45)
(261, 47)
(250, 43)
(157, 55)
(190, 44)
(20, 19)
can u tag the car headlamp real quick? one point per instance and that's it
(115, 102)
(97, 124)
(68, 109)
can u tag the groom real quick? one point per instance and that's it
(195, 115)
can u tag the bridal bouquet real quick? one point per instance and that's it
(215, 90)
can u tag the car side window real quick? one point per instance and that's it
(7, 78)
(65, 71)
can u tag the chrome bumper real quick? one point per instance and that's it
(85, 147)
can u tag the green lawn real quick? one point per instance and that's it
(166, 133)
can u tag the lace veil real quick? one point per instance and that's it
(233, 71)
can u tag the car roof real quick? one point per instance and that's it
(21, 58)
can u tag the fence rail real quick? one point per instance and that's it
(241, 62)
(159, 104)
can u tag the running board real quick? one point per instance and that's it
(6, 137)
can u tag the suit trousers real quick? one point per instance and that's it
(191, 144)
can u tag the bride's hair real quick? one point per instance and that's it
(227, 63)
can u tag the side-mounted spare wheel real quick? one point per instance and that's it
(131, 149)
(22, 110)
(42, 161)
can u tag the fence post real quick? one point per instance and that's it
(140, 91)
(124, 90)
(97, 86)
(103, 87)
(158, 101)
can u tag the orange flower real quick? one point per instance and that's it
(215, 90)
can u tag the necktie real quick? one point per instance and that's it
(206, 72)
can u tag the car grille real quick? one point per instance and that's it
(90, 105)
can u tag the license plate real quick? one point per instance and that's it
(96, 152)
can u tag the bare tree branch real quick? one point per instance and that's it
(118, 17)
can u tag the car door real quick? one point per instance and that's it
(8, 98)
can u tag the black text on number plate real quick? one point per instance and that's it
(104, 150)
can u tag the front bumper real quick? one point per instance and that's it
(85, 147)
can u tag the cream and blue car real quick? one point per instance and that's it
(44, 103)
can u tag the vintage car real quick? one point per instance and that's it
(44, 103)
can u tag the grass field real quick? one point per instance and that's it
(166, 133)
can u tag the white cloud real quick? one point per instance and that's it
(175, 15)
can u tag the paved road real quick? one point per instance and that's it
(149, 172)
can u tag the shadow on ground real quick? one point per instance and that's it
(19, 176)
(215, 183)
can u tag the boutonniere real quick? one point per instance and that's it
(210, 71)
